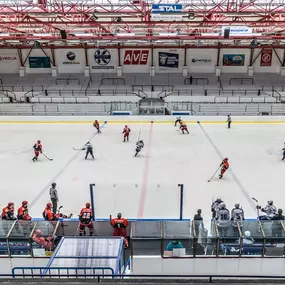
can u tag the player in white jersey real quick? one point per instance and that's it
(237, 217)
(139, 146)
(216, 206)
(223, 219)
(269, 210)
(89, 150)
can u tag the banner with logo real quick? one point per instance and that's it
(103, 60)
(166, 12)
(201, 60)
(70, 60)
(266, 57)
(136, 60)
(9, 61)
(233, 59)
(167, 59)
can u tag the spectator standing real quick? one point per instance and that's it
(53, 197)
(198, 221)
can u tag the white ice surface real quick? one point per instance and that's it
(130, 185)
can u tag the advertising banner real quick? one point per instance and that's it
(167, 12)
(233, 59)
(167, 59)
(70, 60)
(103, 60)
(266, 57)
(9, 61)
(237, 30)
(202, 60)
(39, 62)
(136, 57)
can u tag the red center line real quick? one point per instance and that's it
(145, 175)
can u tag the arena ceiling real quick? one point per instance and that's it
(113, 22)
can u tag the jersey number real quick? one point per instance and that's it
(86, 216)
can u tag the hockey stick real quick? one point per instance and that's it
(214, 175)
(257, 208)
(139, 134)
(50, 159)
(77, 148)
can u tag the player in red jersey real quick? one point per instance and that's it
(23, 213)
(85, 218)
(224, 167)
(120, 224)
(126, 132)
(38, 148)
(43, 242)
(8, 212)
(183, 127)
(96, 125)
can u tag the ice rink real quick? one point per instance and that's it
(145, 186)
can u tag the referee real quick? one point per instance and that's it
(53, 197)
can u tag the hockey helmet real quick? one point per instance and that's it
(49, 205)
(270, 202)
(38, 141)
(247, 234)
(38, 233)
(25, 204)
(226, 159)
(119, 216)
(219, 199)
(237, 205)
(53, 184)
(223, 205)
(141, 141)
(280, 211)
(87, 205)
(126, 126)
(10, 204)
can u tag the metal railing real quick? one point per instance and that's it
(90, 92)
(215, 92)
(16, 88)
(241, 80)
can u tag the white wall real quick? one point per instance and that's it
(275, 64)
(103, 60)
(37, 52)
(202, 60)
(215, 266)
(170, 55)
(70, 60)
(9, 61)
(135, 60)
(235, 69)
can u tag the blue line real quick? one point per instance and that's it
(241, 187)
(38, 196)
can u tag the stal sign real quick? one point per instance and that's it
(136, 57)
(166, 12)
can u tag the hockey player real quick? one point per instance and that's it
(38, 148)
(269, 210)
(126, 133)
(283, 152)
(46, 243)
(23, 213)
(85, 218)
(97, 126)
(224, 167)
(47, 213)
(237, 217)
(8, 212)
(216, 205)
(120, 224)
(223, 219)
(229, 121)
(139, 146)
(178, 120)
(183, 127)
(89, 150)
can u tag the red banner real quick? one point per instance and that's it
(136, 57)
(266, 57)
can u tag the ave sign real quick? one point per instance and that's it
(166, 8)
